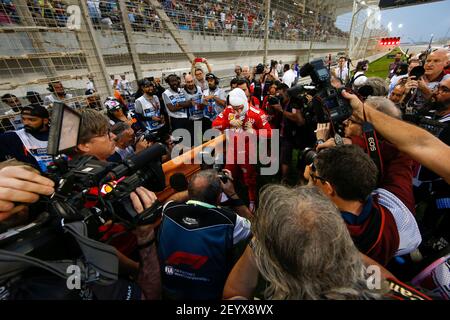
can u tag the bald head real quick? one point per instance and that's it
(246, 72)
(205, 186)
(189, 79)
(435, 64)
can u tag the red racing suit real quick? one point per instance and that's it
(255, 120)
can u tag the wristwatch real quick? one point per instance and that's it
(319, 141)
(338, 140)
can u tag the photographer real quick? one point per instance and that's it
(303, 250)
(58, 93)
(378, 215)
(176, 104)
(419, 144)
(95, 137)
(148, 108)
(30, 143)
(359, 78)
(22, 184)
(288, 75)
(431, 188)
(422, 89)
(214, 100)
(271, 98)
(197, 237)
(11, 123)
(290, 132)
(126, 144)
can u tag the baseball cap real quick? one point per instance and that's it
(210, 76)
(35, 110)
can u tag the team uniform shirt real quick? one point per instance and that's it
(26, 147)
(195, 112)
(172, 97)
(195, 242)
(145, 109)
(212, 109)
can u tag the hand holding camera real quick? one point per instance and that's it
(142, 144)
(356, 104)
(21, 184)
(226, 181)
(141, 200)
(323, 131)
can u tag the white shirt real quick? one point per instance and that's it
(212, 109)
(90, 85)
(361, 80)
(172, 97)
(341, 73)
(51, 98)
(149, 108)
(195, 112)
(408, 230)
(289, 77)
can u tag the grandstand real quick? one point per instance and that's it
(71, 40)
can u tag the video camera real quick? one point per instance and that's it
(327, 104)
(93, 191)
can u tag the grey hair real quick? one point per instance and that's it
(379, 86)
(303, 249)
(119, 128)
(205, 186)
(385, 105)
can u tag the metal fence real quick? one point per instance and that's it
(57, 50)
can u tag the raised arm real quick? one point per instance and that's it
(419, 144)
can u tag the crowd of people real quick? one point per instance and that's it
(221, 18)
(367, 193)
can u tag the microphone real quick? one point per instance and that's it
(137, 161)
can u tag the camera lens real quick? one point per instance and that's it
(307, 156)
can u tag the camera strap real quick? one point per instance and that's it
(372, 145)
(99, 263)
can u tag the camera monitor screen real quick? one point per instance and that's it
(65, 126)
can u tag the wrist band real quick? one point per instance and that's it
(237, 202)
(146, 245)
(231, 195)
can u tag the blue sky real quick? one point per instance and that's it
(419, 21)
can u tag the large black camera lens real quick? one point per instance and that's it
(273, 100)
(307, 156)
